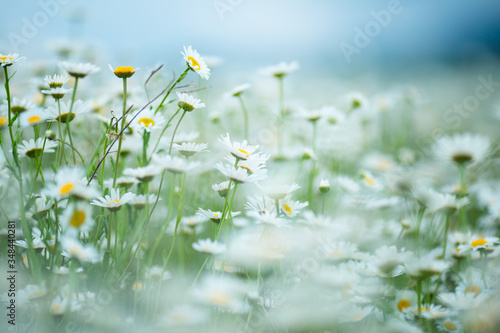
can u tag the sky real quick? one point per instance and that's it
(332, 34)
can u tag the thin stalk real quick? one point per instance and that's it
(446, 227)
(419, 221)
(181, 77)
(175, 131)
(282, 113)
(165, 128)
(117, 165)
(245, 116)
(68, 120)
(61, 143)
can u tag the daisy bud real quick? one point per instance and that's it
(49, 134)
(123, 72)
(324, 186)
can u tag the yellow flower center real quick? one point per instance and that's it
(3, 121)
(66, 189)
(147, 122)
(287, 209)
(6, 58)
(356, 317)
(473, 289)
(403, 304)
(194, 64)
(478, 242)
(370, 181)
(57, 308)
(216, 215)
(450, 326)
(137, 286)
(38, 293)
(206, 248)
(77, 219)
(113, 201)
(219, 298)
(243, 151)
(34, 119)
(124, 70)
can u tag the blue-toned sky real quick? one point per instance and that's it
(260, 32)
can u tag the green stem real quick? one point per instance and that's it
(446, 227)
(175, 131)
(61, 143)
(117, 165)
(68, 120)
(282, 113)
(419, 221)
(181, 77)
(245, 116)
(199, 272)
(164, 129)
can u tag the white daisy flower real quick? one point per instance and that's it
(347, 184)
(190, 148)
(113, 201)
(240, 175)
(73, 248)
(213, 216)
(261, 204)
(223, 292)
(237, 91)
(78, 217)
(324, 186)
(125, 182)
(222, 188)
(280, 69)
(239, 150)
(462, 148)
(477, 243)
(57, 93)
(275, 191)
(185, 314)
(446, 203)
(188, 102)
(68, 181)
(143, 174)
(139, 201)
(406, 301)
(291, 207)
(431, 312)
(33, 117)
(10, 59)
(41, 207)
(147, 121)
(78, 70)
(194, 220)
(56, 81)
(18, 105)
(209, 246)
(79, 107)
(196, 62)
(174, 164)
(123, 72)
(34, 149)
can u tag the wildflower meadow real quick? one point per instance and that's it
(167, 199)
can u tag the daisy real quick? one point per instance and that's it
(240, 175)
(143, 174)
(34, 149)
(276, 192)
(56, 81)
(241, 151)
(462, 148)
(431, 312)
(78, 70)
(68, 181)
(78, 217)
(209, 246)
(146, 120)
(237, 91)
(213, 216)
(10, 59)
(19, 105)
(477, 243)
(174, 164)
(186, 315)
(4, 119)
(125, 182)
(324, 186)
(291, 207)
(261, 204)
(446, 203)
(222, 188)
(123, 72)
(56, 93)
(188, 149)
(281, 69)
(79, 107)
(41, 207)
(139, 201)
(347, 184)
(32, 117)
(113, 201)
(223, 292)
(387, 258)
(406, 301)
(73, 248)
(268, 217)
(422, 268)
(332, 116)
(188, 102)
(194, 220)
(196, 62)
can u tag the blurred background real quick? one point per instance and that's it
(248, 34)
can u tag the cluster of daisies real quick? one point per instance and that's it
(160, 203)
